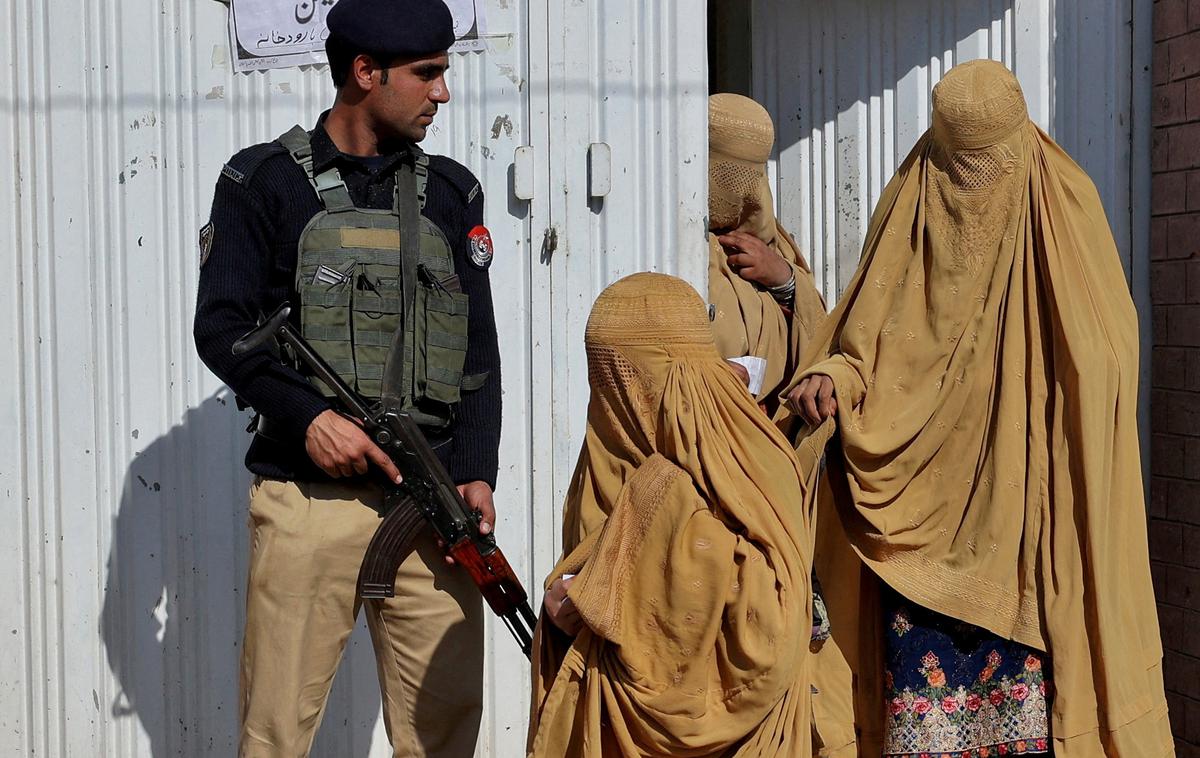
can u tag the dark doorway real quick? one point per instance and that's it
(729, 52)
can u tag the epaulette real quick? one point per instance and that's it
(242, 165)
(459, 176)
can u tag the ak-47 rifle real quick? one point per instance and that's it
(425, 496)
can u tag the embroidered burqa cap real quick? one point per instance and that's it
(685, 524)
(985, 357)
(747, 320)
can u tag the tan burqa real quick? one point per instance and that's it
(985, 358)
(746, 319)
(686, 527)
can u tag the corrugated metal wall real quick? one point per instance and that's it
(121, 484)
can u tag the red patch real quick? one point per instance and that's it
(481, 246)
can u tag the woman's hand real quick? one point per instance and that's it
(813, 399)
(739, 371)
(753, 260)
(560, 609)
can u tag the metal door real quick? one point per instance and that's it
(622, 87)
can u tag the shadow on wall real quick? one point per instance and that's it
(847, 85)
(174, 600)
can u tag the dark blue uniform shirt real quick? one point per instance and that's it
(262, 202)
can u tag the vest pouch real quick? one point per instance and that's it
(325, 323)
(376, 315)
(440, 339)
(350, 269)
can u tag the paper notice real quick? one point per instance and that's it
(281, 33)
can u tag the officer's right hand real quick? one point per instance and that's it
(341, 448)
(813, 399)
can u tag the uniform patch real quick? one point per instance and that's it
(233, 173)
(481, 246)
(206, 240)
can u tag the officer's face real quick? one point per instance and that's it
(409, 94)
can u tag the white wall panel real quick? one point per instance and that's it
(633, 75)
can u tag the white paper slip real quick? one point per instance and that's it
(756, 367)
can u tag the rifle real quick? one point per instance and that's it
(426, 496)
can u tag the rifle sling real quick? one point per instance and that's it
(409, 211)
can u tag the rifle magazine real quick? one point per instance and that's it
(391, 544)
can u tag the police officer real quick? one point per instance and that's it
(382, 251)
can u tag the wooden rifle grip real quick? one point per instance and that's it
(493, 575)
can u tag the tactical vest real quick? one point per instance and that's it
(379, 298)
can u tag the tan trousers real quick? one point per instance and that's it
(307, 541)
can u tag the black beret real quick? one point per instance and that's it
(395, 28)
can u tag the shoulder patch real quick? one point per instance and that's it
(205, 242)
(480, 240)
(457, 174)
(244, 163)
(233, 173)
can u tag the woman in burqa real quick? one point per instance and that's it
(765, 305)
(671, 621)
(765, 302)
(981, 370)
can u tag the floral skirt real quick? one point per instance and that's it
(954, 690)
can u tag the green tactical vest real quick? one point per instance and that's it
(379, 298)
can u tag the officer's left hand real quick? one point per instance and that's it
(753, 260)
(479, 497)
